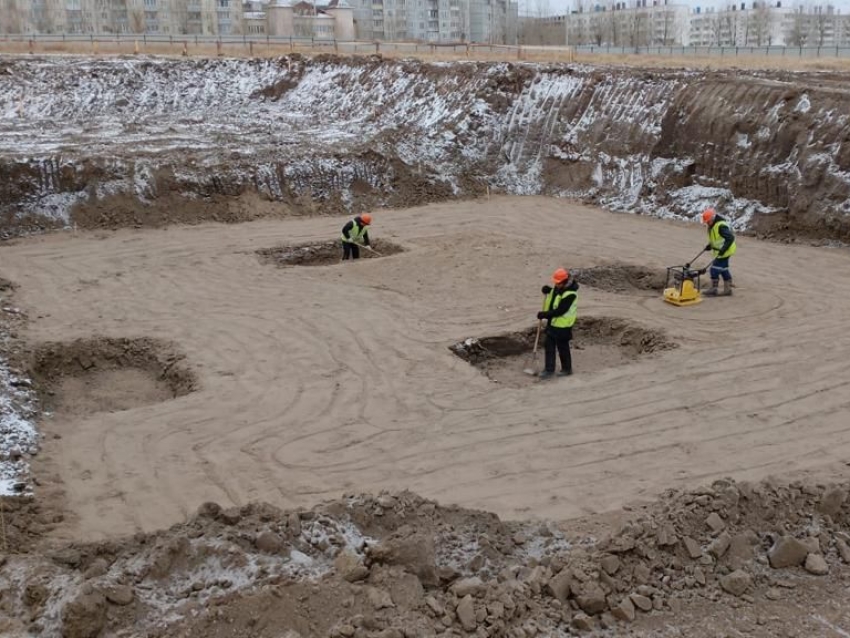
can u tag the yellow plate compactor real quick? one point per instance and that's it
(682, 286)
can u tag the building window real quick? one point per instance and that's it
(223, 4)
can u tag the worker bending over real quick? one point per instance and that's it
(559, 308)
(354, 233)
(721, 241)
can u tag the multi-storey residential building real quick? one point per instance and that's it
(616, 23)
(207, 17)
(753, 23)
(436, 20)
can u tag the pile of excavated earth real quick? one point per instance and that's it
(397, 565)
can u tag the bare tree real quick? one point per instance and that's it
(762, 24)
(730, 27)
(824, 23)
(597, 30)
(798, 35)
(136, 19)
(717, 30)
(180, 16)
(12, 18)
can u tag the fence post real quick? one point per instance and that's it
(291, 49)
(251, 48)
(185, 49)
(218, 50)
(31, 46)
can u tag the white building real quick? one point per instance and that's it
(620, 23)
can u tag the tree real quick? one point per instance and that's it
(717, 30)
(762, 24)
(11, 18)
(824, 24)
(798, 35)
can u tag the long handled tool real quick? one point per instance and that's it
(532, 369)
(372, 250)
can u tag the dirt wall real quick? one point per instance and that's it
(97, 142)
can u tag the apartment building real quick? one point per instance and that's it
(173, 17)
(770, 23)
(492, 21)
(637, 23)
(334, 20)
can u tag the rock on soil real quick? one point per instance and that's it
(356, 568)
(815, 564)
(787, 552)
(736, 583)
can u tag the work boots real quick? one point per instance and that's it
(712, 292)
(727, 287)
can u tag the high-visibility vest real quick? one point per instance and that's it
(356, 233)
(553, 300)
(716, 240)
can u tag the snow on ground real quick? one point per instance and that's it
(18, 436)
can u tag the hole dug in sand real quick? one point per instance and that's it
(87, 376)
(322, 253)
(620, 278)
(598, 343)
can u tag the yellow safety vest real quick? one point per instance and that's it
(356, 233)
(717, 241)
(552, 301)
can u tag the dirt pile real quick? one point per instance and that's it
(397, 565)
(143, 142)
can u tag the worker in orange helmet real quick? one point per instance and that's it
(354, 233)
(721, 241)
(559, 309)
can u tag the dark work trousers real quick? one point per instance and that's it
(350, 250)
(558, 339)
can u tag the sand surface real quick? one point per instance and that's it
(314, 381)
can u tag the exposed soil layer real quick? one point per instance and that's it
(598, 343)
(620, 278)
(324, 253)
(111, 143)
(108, 375)
(770, 558)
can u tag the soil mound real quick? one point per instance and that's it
(397, 565)
(97, 375)
(322, 254)
(599, 343)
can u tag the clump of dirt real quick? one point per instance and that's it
(395, 565)
(323, 253)
(598, 343)
(96, 375)
(620, 278)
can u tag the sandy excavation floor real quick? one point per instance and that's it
(317, 381)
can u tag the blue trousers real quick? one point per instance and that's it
(720, 268)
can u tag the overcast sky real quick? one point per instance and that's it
(561, 6)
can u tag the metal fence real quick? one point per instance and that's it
(717, 51)
(251, 44)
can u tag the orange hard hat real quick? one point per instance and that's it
(708, 216)
(366, 218)
(560, 275)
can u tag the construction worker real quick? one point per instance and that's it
(721, 241)
(354, 233)
(559, 309)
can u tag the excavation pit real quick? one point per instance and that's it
(322, 253)
(598, 343)
(620, 278)
(88, 376)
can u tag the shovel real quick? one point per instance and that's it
(372, 250)
(532, 369)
